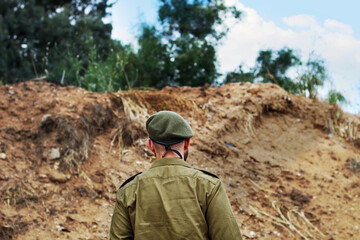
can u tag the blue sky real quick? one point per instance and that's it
(331, 29)
(345, 11)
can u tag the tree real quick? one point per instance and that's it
(270, 67)
(36, 35)
(311, 77)
(189, 27)
(197, 19)
(273, 67)
(68, 42)
(240, 76)
(194, 63)
(335, 97)
(119, 70)
(155, 66)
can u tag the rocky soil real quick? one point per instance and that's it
(291, 165)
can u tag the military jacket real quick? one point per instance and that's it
(173, 201)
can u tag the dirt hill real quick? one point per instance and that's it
(291, 165)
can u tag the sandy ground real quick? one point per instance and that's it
(291, 165)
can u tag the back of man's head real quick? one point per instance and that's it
(169, 129)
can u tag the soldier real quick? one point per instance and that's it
(172, 200)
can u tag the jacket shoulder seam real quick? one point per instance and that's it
(129, 180)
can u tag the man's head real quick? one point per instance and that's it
(170, 130)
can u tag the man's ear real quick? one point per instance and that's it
(151, 145)
(186, 144)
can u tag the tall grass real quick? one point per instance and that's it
(95, 72)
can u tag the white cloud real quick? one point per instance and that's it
(333, 41)
(123, 33)
(338, 26)
(300, 21)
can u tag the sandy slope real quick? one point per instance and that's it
(291, 166)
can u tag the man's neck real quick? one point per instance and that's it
(169, 154)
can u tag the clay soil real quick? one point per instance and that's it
(290, 165)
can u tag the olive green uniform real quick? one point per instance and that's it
(173, 201)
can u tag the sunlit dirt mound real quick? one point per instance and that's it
(291, 165)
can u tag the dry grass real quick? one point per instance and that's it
(238, 120)
(349, 130)
(160, 101)
(19, 194)
(117, 140)
(134, 111)
(292, 220)
(131, 126)
(353, 165)
(69, 135)
(127, 133)
(11, 226)
(70, 162)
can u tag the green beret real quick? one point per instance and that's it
(168, 127)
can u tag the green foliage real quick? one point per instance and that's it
(335, 97)
(35, 35)
(196, 18)
(66, 41)
(117, 71)
(240, 76)
(273, 67)
(270, 67)
(194, 62)
(312, 77)
(185, 61)
(154, 60)
(189, 27)
(100, 75)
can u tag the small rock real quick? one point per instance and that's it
(3, 156)
(45, 117)
(99, 188)
(245, 141)
(43, 178)
(59, 228)
(3, 177)
(126, 151)
(254, 89)
(59, 177)
(46, 121)
(54, 154)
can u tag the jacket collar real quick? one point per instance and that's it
(169, 161)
